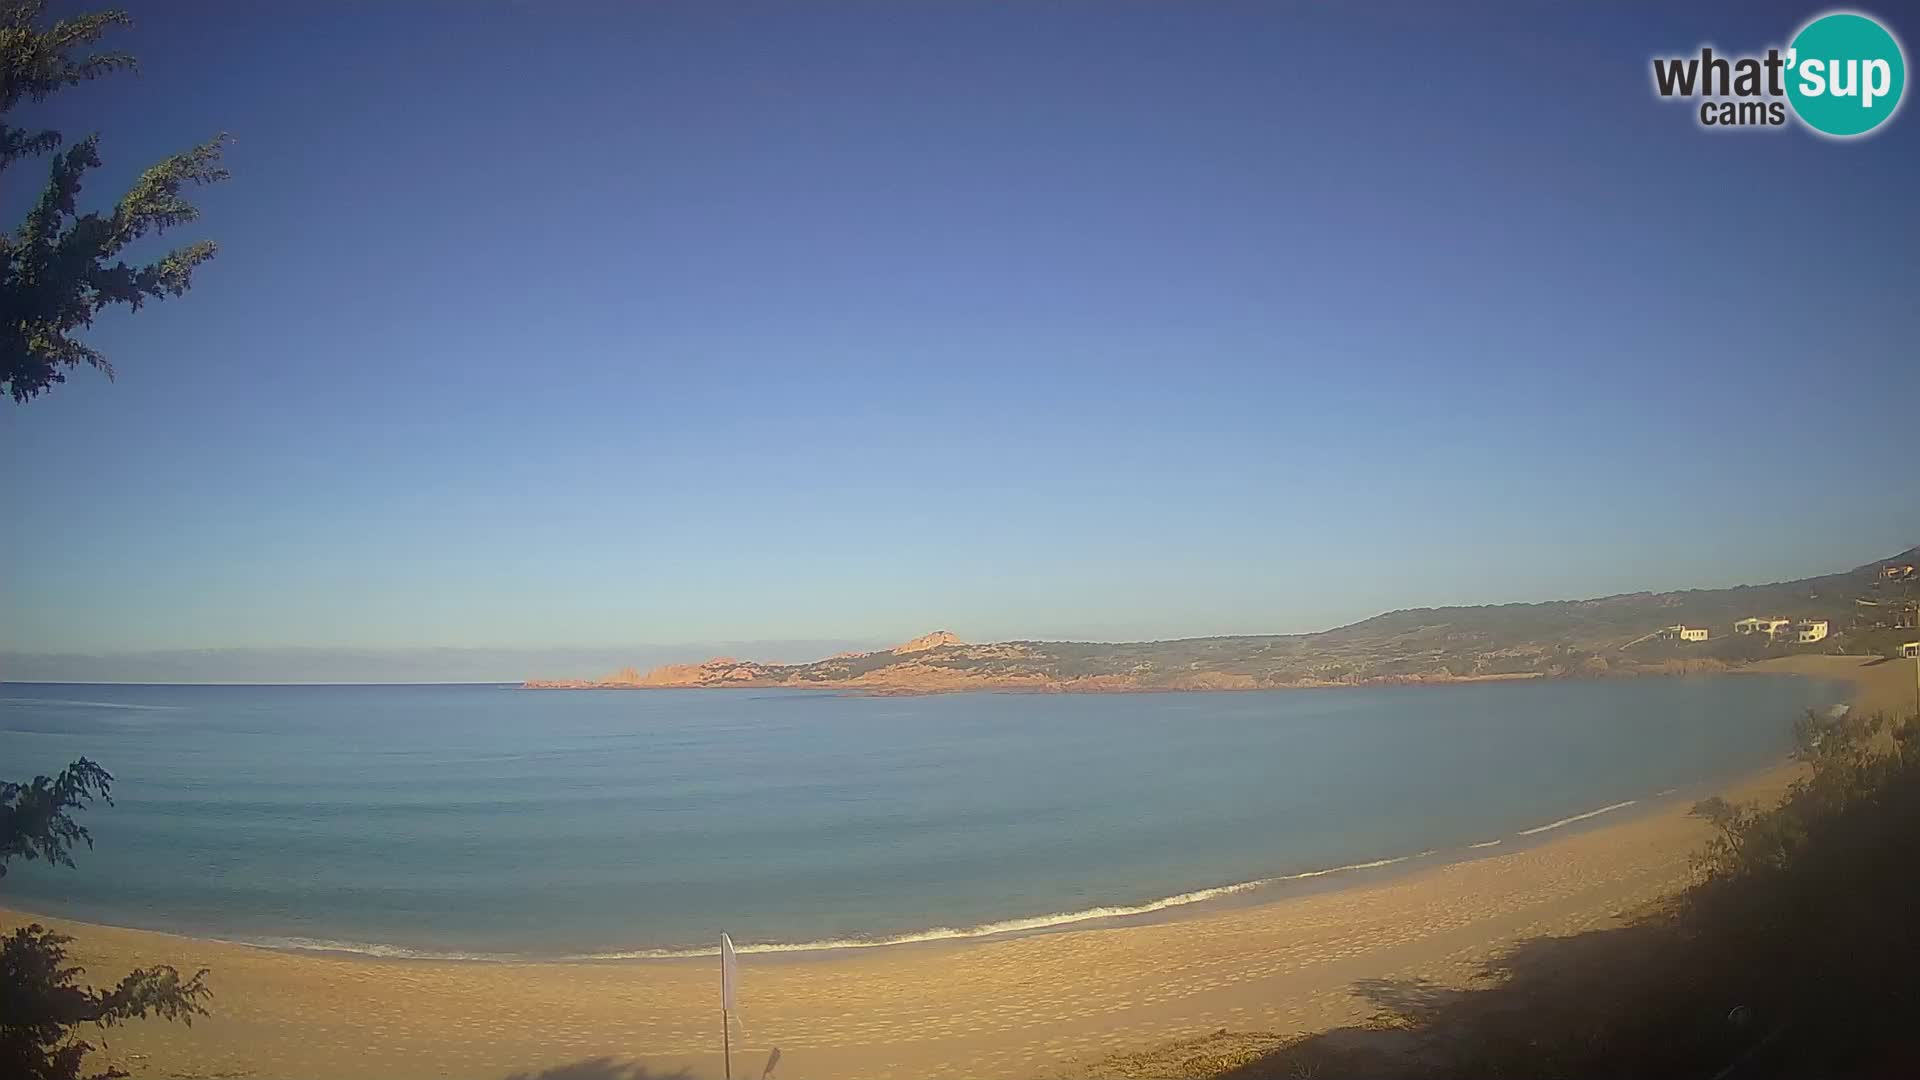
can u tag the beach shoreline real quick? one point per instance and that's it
(1010, 1005)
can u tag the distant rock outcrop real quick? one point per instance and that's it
(927, 641)
(720, 669)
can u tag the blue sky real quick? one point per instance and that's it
(546, 326)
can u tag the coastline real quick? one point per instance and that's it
(1099, 684)
(1806, 663)
(1005, 1005)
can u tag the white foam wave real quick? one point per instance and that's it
(952, 933)
(1341, 869)
(1578, 817)
(1005, 926)
(89, 704)
(937, 933)
(1669, 791)
(365, 948)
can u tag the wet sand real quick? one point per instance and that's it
(1013, 1007)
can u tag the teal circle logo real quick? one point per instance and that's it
(1845, 74)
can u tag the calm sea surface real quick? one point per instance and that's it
(495, 821)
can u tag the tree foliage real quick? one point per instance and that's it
(61, 267)
(58, 270)
(34, 818)
(42, 1000)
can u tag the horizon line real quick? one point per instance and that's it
(129, 682)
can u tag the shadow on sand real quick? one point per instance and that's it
(1644, 1000)
(1614, 1002)
(1793, 955)
(601, 1068)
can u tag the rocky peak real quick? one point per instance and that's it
(928, 641)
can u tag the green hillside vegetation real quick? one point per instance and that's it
(1605, 636)
(1564, 637)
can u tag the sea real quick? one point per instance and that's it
(488, 822)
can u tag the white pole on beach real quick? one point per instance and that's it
(729, 975)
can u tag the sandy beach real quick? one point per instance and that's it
(1012, 1007)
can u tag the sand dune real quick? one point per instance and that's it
(1011, 1007)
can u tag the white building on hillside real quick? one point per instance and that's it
(1808, 630)
(1683, 633)
(1769, 627)
(1911, 650)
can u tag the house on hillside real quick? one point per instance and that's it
(1904, 616)
(1897, 572)
(1682, 633)
(1769, 627)
(1911, 650)
(1890, 615)
(1807, 631)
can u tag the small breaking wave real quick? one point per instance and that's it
(938, 933)
(1577, 817)
(1005, 926)
(957, 933)
(1026, 924)
(1339, 869)
(70, 704)
(367, 948)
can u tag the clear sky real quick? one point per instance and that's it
(555, 325)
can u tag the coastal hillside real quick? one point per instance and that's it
(1614, 634)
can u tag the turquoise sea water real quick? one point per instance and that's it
(493, 821)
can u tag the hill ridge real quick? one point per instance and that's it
(1614, 634)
